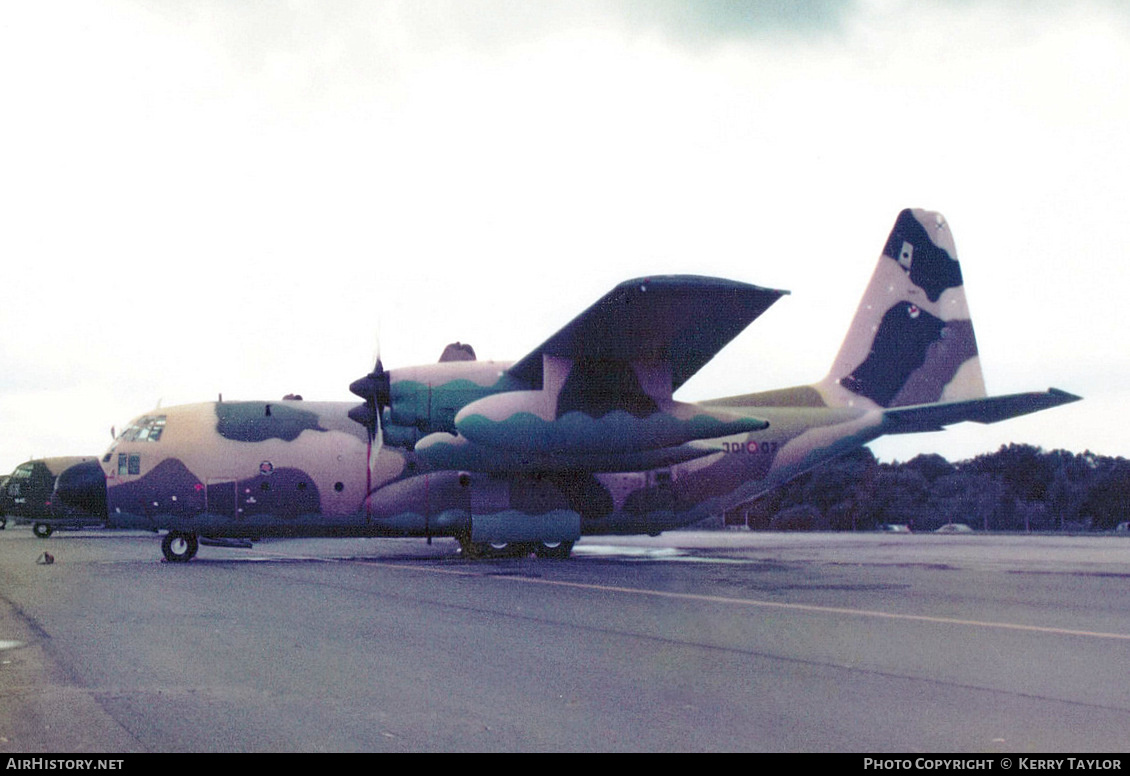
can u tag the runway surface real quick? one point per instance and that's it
(685, 642)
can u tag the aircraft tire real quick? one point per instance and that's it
(553, 550)
(502, 549)
(484, 550)
(42, 530)
(179, 547)
(511, 549)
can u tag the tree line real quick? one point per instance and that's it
(1018, 488)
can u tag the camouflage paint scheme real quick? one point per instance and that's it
(28, 495)
(582, 436)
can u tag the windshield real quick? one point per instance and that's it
(147, 428)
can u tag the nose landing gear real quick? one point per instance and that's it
(179, 547)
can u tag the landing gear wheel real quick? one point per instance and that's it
(42, 530)
(510, 549)
(179, 547)
(481, 550)
(553, 550)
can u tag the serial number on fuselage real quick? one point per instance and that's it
(751, 447)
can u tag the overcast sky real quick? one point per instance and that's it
(243, 197)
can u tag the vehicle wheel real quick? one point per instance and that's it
(42, 530)
(554, 550)
(3, 523)
(179, 547)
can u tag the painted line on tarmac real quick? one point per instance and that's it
(836, 610)
(714, 599)
(756, 603)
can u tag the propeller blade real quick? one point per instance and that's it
(375, 389)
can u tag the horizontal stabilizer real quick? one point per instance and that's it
(933, 417)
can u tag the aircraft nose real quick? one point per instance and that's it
(83, 486)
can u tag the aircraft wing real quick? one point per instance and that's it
(932, 417)
(683, 319)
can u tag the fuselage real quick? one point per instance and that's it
(294, 468)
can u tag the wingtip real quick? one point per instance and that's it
(1064, 396)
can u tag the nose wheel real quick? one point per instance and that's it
(179, 547)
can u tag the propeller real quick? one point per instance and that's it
(375, 389)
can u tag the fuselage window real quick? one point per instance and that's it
(129, 464)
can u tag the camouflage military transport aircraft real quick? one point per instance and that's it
(28, 496)
(582, 436)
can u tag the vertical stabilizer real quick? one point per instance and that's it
(911, 341)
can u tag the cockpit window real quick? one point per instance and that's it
(147, 428)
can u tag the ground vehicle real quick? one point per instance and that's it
(28, 496)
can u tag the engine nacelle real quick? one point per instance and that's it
(425, 399)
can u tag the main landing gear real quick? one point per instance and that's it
(179, 547)
(484, 550)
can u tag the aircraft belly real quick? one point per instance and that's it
(269, 525)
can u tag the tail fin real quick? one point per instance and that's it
(911, 341)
